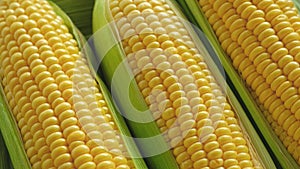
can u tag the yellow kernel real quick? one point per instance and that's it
(230, 162)
(228, 147)
(88, 165)
(215, 163)
(106, 165)
(242, 149)
(64, 158)
(47, 163)
(66, 165)
(197, 146)
(182, 157)
(211, 146)
(203, 162)
(57, 143)
(245, 163)
(215, 154)
(58, 151)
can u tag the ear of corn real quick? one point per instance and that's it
(247, 35)
(202, 127)
(130, 107)
(64, 115)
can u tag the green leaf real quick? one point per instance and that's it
(5, 162)
(297, 4)
(80, 12)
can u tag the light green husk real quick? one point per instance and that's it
(297, 4)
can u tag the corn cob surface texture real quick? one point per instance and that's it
(62, 116)
(263, 41)
(180, 90)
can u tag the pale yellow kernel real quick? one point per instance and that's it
(111, 143)
(187, 125)
(205, 131)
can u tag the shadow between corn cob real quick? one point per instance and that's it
(77, 10)
(5, 162)
(149, 47)
(64, 115)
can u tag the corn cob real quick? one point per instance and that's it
(262, 40)
(180, 90)
(61, 112)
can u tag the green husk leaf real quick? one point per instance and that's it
(297, 4)
(5, 162)
(84, 46)
(80, 12)
(283, 157)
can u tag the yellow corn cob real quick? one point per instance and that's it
(62, 116)
(186, 101)
(262, 39)
(288, 8)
